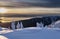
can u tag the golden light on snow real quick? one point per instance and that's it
(3, 10)
(3, 37)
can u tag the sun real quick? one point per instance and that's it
(3, 10)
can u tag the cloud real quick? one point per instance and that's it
(41, 3)
(35, 3)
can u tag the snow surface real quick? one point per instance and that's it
(4, 30)
(34, 33)
(3, 37)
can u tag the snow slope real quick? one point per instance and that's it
(34, 33)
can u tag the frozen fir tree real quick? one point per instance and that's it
(39, 24)
(18, 26)
(13, 25)
(21, 25)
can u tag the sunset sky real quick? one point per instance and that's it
(30, 6)
(17, 8)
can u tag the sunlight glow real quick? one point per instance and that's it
(3, 10)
